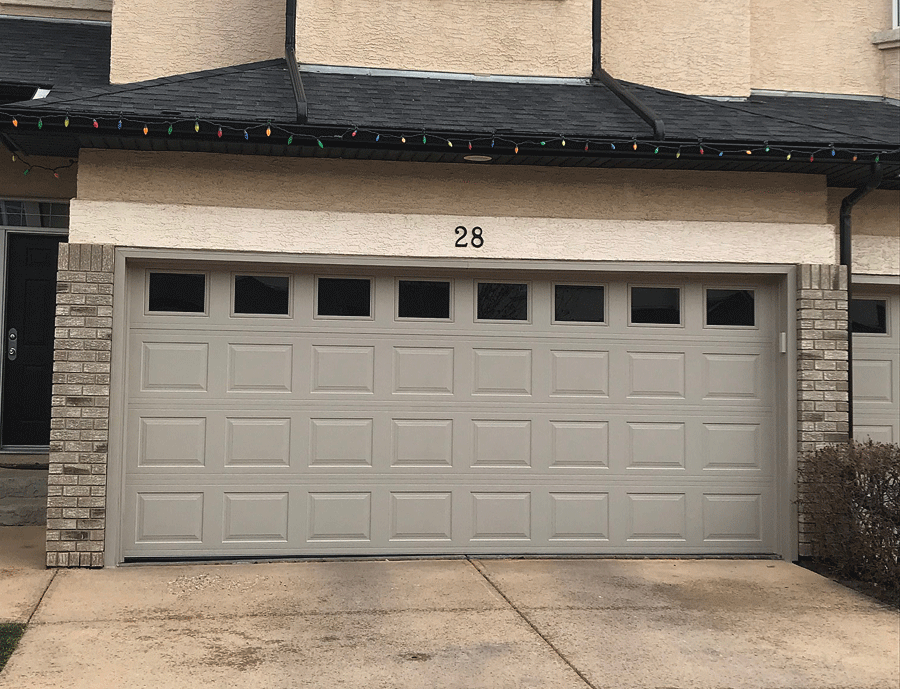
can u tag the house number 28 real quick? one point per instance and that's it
(462, 233)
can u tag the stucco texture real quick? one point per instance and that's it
(434, 236)
(694, 46)
(876, 230)
(156, 38)
(709, 47)
(437, 189)
(202, 201)
(532, 37)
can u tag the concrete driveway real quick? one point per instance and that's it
(455, 623)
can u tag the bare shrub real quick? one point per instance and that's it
(849, 497)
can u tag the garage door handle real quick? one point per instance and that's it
(12, 344)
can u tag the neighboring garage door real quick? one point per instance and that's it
(309, 412)
(875, 313)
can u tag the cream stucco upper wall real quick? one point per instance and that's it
(877, 213)
(426, 188)
(204, 201)
(704, 47)
(98, 10)
(710, 47)
(533, 37)
(154, 38)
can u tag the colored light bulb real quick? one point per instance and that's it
(146, 130)
(321, 145)
(40, 124)
(219, 134)
(96, 124)
(450, 143)
(169, 130)
(290, 139)
(15, 122)
(66, 121)
(246, 135)
(268, 131)
(120, 124)
(196, 125)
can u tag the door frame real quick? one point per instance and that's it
(5, 231)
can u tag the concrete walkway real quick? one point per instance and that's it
(454, 623)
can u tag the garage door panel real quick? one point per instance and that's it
(300, 435)
(330, 517)
(876, 371)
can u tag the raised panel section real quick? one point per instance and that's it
(343, 369)
(501, 516)
(502, 372)
(731, 446)
(656, 374)
(656, 445)
(579, 373)
(340, 516)
(421, 516)
(732, 517)
(422, 442)
(171, 442)
(657, 517)
(877, 434)
(340, 442)
(260, 368)
(423, 370)
(731, 376)
(174, 366)
(502, 444)
(579, 444)
(257, 442)
(256, 517)
(579, 516)
(169, 518)
(873, 381)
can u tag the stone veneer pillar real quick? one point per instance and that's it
(79, 426)
(823, 410)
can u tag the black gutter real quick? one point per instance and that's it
(290, 56)
(847, 260)
(598, 74)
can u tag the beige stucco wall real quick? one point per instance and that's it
(727, 48)
(154, 38)
(468, 189)
(98, 10)
(875, 225)
(433, 236)
(38, 183)
(411, 209)
(695, 46)
(534, 37)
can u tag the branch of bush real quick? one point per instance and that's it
(849, 498)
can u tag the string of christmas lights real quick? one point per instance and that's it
(488, 143)
(54, 170)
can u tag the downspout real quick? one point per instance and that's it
(847, 260)
(598, 74)
(290, 56)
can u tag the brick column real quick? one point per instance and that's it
(822, 362)
(79, 427)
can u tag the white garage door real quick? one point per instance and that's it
(875, 313)
(366, 412)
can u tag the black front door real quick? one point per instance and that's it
(28, 336)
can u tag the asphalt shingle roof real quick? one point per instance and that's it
(54, 53)
(262, 91)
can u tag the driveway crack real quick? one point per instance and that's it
(487, 577)
(41, 599)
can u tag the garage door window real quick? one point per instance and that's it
(730, 308)
(502, 301)
(177, 292)
(869, 316)
(344, 297)
(578, 304)
(261, 295)
(423, 299)
(656, 305)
